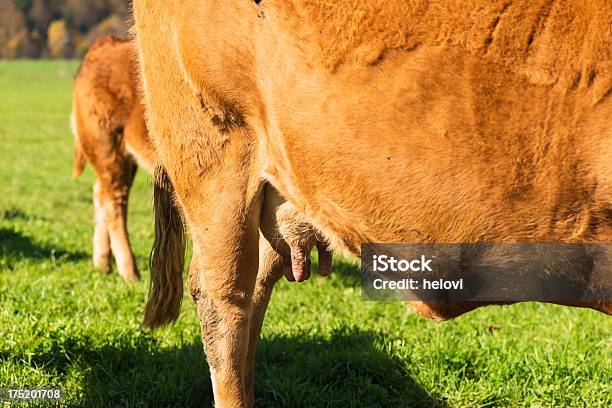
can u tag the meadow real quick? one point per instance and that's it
(64, 324)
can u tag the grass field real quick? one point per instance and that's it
(64, 324)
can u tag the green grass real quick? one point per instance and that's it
(64, 324)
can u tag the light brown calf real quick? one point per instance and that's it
(110, 132)
(380, 121)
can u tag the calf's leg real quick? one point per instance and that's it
(115, 186)
(101, 242)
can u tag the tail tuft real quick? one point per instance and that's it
(79, 161)
(167, 258)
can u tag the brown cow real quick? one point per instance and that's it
(110, 132)
(381, 121)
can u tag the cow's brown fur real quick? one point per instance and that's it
(380, 121)
(110, 132)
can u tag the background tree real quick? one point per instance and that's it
(57, 39)
(14, 33)
(26, 26)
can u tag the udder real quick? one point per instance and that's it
(292, 236)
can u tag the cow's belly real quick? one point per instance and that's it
(436, 149)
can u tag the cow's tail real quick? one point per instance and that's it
(167, 256)
(79, 161)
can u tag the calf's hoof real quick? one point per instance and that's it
(103, 264)
(131, 276)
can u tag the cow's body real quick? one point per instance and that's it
(110, 132)
(382, 121)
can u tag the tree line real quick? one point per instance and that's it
(58, 28)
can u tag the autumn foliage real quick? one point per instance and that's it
(58, 28)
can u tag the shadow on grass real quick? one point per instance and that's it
(346, 273)
(15, 213)
(345, 369)
(14, 246)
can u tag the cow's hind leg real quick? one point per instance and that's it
(270, 271)
(245, 316)
(223, 291)
(225, 233)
